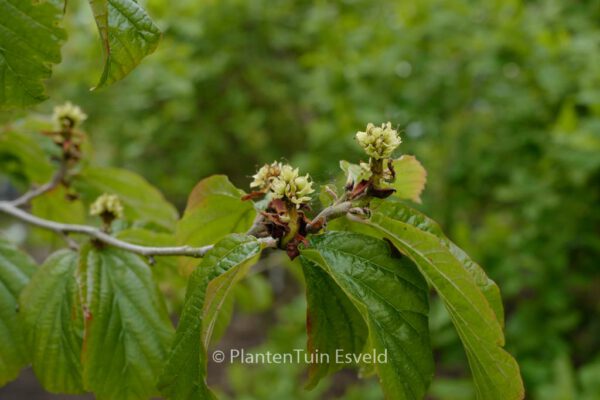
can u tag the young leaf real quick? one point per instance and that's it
(214, 210)
(495, 371)
(127, 34)
(393, 300)
(30, 42)
(184, 376)
(354, 173)
(141, 200)
(52, 317)
(410, 178)
(332, 322)
(126, 327)
(409, 181)
(15, 270)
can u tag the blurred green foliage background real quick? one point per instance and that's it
(500, 100)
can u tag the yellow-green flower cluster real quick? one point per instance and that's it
(284, 182)
(107, 204)
(68, 115)
(265, 176)
(379, 141)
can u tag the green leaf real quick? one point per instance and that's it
(409, 182)
(142, 201)
(332, 322)
(219, 290)
(496, 373)
(222, 318)
(184, 376)
(410, 178)
(15, 270)
(23, 157)
(56, 206)
(127, 330)
(52, 317)
(166, 269)
(30, 42)
(392, 298)
(401, 212)
(398, 211)
(127, 34)
(146, 237)
(214, 210)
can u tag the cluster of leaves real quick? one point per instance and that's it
(62, 317)
(499, 99)
(31, 40)
(94, 319)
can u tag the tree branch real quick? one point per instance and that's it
(340, 208)
(11, 209)
(329, 213)
(38, 191)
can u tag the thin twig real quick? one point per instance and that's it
(258, 228)
(148, 251)
(329, 213)
(38, 191)
(331, 192)
(340, 208)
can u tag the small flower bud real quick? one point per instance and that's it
(68, 116)
(265, 176)
(108, 207)
(379, 142)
